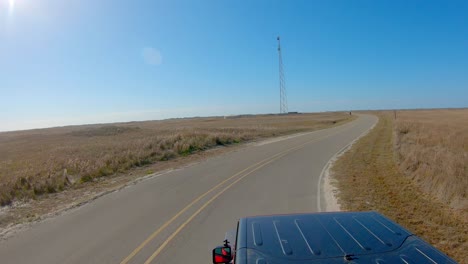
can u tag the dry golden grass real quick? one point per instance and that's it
(432, 149)
(42, 161)
(368, 178)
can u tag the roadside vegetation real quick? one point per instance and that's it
(412, 170)
(432, 149)
(37, 162)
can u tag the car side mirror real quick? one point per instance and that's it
(222, 254)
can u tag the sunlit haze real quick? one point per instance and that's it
(83, 61)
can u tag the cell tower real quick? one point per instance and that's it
(283, 98)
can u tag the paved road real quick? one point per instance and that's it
(180, 216)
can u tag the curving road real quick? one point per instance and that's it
(179, 216)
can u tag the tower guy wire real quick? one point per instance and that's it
(283, 97)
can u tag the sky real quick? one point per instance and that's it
(87, 61)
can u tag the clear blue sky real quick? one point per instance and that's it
(87, 61)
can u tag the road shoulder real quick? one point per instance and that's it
(367, 178)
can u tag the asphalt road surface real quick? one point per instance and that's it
(178, 217)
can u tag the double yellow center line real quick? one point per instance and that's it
(246, 172)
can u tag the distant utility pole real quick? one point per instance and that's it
(283, 98)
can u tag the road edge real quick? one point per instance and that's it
(15, 228)
(325, 184)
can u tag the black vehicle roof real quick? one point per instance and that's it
(342, 237)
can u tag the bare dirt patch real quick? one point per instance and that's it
(369, 178)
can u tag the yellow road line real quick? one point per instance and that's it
(163, 245)
(160, 229)
(167, 223)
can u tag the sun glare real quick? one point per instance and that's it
(11, 5)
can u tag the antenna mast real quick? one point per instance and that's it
(283, 98)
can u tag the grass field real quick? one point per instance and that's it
(432, 149)
(37, 162)
(369, 176)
